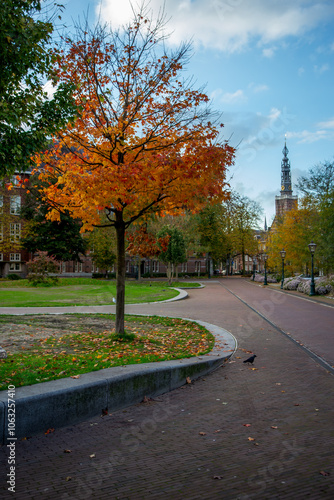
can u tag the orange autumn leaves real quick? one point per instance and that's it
(143, 141)
(143, 243)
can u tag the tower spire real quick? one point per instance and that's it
(285, 172)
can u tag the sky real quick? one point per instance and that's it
(267, 66)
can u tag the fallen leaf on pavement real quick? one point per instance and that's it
(324, 473)
(217, 477)
(68, 478)
(92, 455)
(75, 376)
(202, 433)
(246, 425)
(188, 380)
(251, 439)
(274, 427)
(67, 451)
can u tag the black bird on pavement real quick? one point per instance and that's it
(251, 359)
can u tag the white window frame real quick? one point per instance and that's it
(1, 257)
(15, 232)
(78, 267)
(155, 267)
(1, 203)
(15, 266)
(15, 257)
(14, 180)
(15, 204)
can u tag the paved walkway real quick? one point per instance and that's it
(243, 432)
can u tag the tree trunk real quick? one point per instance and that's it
(139, 269)
(120, 273)
(243, 261)
(169, 273)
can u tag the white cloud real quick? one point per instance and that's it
(327, 124)
(307, 137)
(49, 89)
(235, 97)
(268, 52)
(229, 25)
(321, 69)
(260, 88)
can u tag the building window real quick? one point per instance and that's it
(1, 203)
(15, 257)
(15, 180)
(184, 267)
(1, 232)
(1, 257)
(155, 266)
(15, 204)
(63, 267)
(15, 266)
(78, 267)
(197, 266)
(15, 232)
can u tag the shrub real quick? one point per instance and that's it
(13, 277)
(40, 270)
(291, 283)
(260, 278)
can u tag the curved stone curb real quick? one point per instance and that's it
(68, 401)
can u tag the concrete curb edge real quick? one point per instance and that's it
(68, 401)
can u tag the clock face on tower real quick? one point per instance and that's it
(282, 188)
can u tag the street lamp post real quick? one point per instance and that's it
(283, 254)
(265, 257)
(312, 247)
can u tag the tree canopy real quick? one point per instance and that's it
(145, 141)
(27, 116)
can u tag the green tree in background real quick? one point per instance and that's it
(213, 228)
(60, 239)
(176, 251)
(244, 217)
(102, 245)
(27, 117)
(317, 189)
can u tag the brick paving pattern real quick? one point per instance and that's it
(263, 431)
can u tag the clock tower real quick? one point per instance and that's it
(285, 201)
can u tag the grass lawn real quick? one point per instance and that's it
(48, 347)
(82, 292)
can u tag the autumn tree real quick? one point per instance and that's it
(293, 233)
(145, 141)
(27, 116)
(144, 244)
(317, 189)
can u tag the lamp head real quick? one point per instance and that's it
(312, 247)
(283, 253)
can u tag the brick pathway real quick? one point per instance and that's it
(243, 432)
